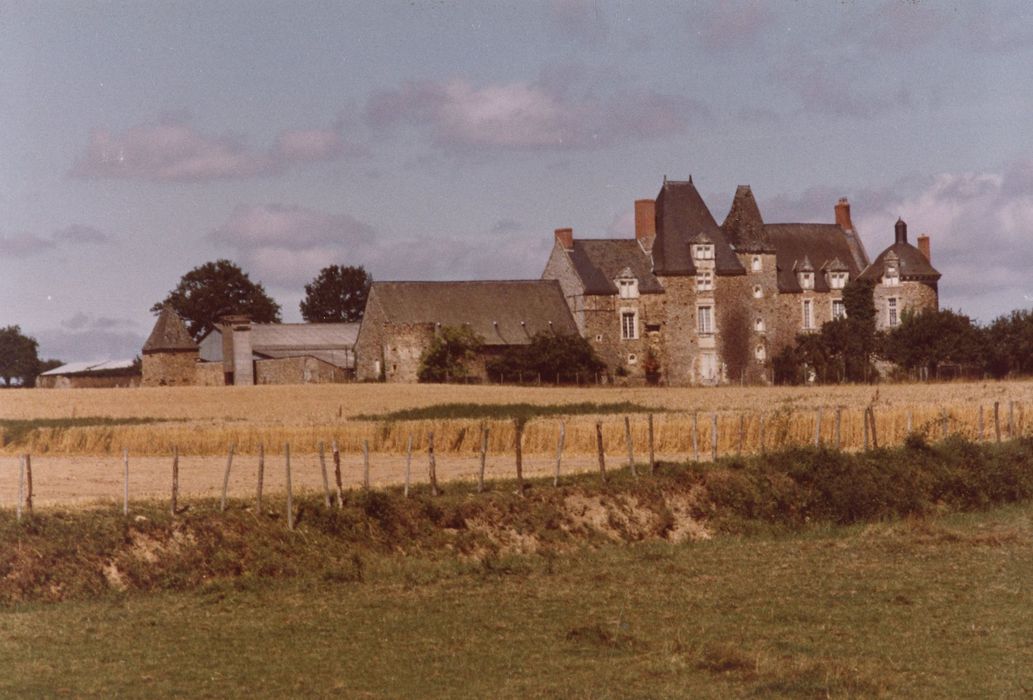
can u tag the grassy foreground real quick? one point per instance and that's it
(937, 608)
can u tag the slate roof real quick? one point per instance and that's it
(598, 262)
(681, 215)
(330, 342)
(501, 312)
(169, 334)
(821, 245)
(913, 265)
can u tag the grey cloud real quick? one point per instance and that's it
(581, 20)
(85, 322)
(733, 24)
(80, 233)
(24, 246)
(88, 344)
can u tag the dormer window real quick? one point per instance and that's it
(627, 287)
(806, 280)
(703, 251)
(705, 281)
(838, 280)
(756, 265)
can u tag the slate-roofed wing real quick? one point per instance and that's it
(819, 244)
(599, 261)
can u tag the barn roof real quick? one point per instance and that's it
(169, 334)
(506, 312)
(818, 245)
(598, 262)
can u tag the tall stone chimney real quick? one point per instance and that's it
(843, 215)
(901, 231)
(923, 246)
(645, 222)
(565, 237)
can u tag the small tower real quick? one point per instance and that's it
(904, 279)
(170, 355)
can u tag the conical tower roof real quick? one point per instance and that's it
(169, 334)
(744, 226)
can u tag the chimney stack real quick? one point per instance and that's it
(565, 237)
(645, 221)
(901, 231)
(923, 246)
(843, 215)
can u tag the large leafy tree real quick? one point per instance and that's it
(337, 294)
(931, 338)
(217, 289)
(19, 359)
(449, 355)
(1008, 344)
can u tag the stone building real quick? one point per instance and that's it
(91, 375)
(169, 354)
(401, 319)
(713, 303)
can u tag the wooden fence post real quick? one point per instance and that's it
(713, 437)
(981, 431)
(875, 431)
(28, 484)
(175, 478)
(943, 423)
(695, 437)
(742, 433)
(21, 487)
(599, 449)
(261, 477)
(1011, 420)
(559, 452)
(518, 440)
(652, 455)
(335, 454)
(839, 427)
(627, 440)
(322, 469)
(290, 486)
(762, 426)
(408, 465)
(866, 438)
(484, 457)
(817, 428)
(226, 479)
(125, 481)
(997, 420)
(432, 466)
(365, 464)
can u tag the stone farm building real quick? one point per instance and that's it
(401, 319)
(242, 353)
(91, 375)
(713, 303)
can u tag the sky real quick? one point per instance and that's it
(447, 140)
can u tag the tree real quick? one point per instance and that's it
(449, 355)
(551, 355)
(1008, 344)
(217, 289)
(858, 336)
(337, 294)
(18, 357)
(736, 337)
(931, 338)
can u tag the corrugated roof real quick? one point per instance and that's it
(913, 265)
(87, 367)
(682, 215)
(169, 334)
(598, 262)
(819, 244)
(501, 312)
(329, 342)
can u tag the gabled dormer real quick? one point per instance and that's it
(627, 284)
(804, 273)
(891, 269)
(701, 247)
(837, 274)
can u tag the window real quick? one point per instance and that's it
(629, 325)
(891, 312)
(705, 316)
(838, 309)
(808, 314)
(755, 264)
(758, 325)
(760, 353)
(703, 251)
(599, 338)
(892, 276)
(632, 358)
(806, 280)
(758, 292)
(628, 288)
(705, 281)
(837, 280)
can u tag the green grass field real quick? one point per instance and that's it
(923, 608)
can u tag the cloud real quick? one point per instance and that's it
(581, 20)
(89, 344)
(506, 226)
(560, 111)
(732, 25)
(85, 322)
(288, 245)
(28, 245)
(172, 150)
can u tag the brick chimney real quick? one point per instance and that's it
(565, 237)
(645, 221)
(843, 215)
(923, 246)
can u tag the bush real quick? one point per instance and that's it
(553, 356)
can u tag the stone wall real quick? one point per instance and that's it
(209, 374)
(561, 269)
(298, 370)
(85, 381)
(403, 345)
(169, 368)
(914, 296)
(603, 330)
